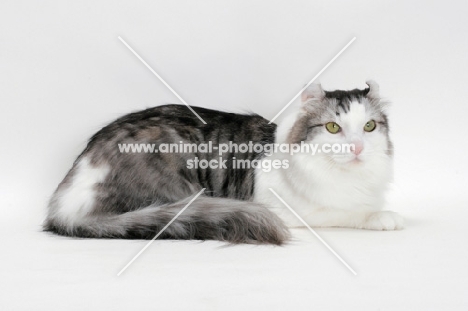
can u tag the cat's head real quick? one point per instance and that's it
(338, 118)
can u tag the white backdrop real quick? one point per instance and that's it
(64, 75)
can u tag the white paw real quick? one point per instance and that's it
(385, 220)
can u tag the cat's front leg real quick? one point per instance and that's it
(382, 220)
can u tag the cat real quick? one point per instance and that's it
(132, 195)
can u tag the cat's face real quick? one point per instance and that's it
(339, 118)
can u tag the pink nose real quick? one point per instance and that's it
(358, 146)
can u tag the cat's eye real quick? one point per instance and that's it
(332, 127)
(370, 126)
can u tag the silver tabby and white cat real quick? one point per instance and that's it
(110, 194)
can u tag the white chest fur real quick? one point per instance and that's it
(311, 184)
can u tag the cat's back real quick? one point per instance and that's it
(164, 124)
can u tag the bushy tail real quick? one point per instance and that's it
(205, 219)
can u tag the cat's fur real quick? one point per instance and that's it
(109, 194)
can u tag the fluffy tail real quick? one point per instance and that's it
(205, 219)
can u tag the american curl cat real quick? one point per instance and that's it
(133, 195)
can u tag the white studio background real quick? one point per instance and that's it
(64, 75)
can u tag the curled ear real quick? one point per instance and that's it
(312, 91)
(373, 89)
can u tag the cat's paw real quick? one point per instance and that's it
(384, 220)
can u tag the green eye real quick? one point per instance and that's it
(332, 127)
(370, 126)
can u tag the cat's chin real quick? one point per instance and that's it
(356, 161)
(348, 160)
